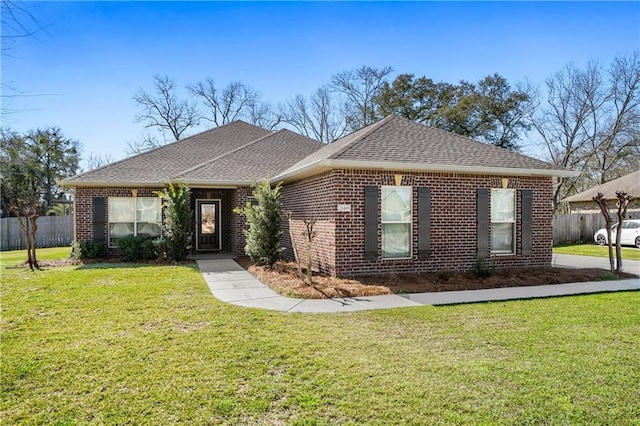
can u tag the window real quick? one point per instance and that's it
(396, 222)
(134, 216)
(503, 221)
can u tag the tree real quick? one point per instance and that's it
(17, 24)
(229, 104)
(622, 205)
(163, 110)
(316, 117)
(490, 111)
(263, 223)
(359, 87)
(30, 166)
(591, 122)
(604, 209)
(95, 160)
(56, 157)
(176, 203)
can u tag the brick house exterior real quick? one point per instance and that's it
(394, 185)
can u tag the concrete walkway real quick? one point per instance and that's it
(230, 283)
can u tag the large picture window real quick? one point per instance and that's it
(503, 221)
(396, 222)
(134, 216)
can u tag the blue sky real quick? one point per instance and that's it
(93, 56)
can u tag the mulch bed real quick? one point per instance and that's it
(283, 278)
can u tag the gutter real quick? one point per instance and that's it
(328, 164)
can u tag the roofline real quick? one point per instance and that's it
(328, 164)
(191, 183)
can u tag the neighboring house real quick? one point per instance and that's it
(583, 201)
(396, 196)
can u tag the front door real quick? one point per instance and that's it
(207, 224)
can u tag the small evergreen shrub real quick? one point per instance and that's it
(176, 203)
(482, 269)
(91, 249)
(136, 248)
(263, 224)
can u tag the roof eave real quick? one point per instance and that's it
(326, 164)
(191, 183)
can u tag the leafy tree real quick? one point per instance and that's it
(490, 111)
(30, 166)
(176, 203)
(263, 223)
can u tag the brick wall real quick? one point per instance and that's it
(84, 209)
(453, 220)
(239, 198)
(306, 199)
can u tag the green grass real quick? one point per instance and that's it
(598, 251)
(120, 344)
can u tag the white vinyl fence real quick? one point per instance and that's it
(580, 227)
(53, 231)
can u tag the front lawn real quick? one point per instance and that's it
(628, 253)
(146, 344)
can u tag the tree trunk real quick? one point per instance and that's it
(34, 228)
(293, 245)
(310, 236)
(602, 203)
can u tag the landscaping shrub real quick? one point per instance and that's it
(136, 248)
(91, 249)
(176, 203)
(483, 269)
(264, 224)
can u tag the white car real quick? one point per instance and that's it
(630, 234)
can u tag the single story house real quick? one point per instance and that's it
(395, 196)
(583, 201)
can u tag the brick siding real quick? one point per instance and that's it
(339, 248)
(84, 211)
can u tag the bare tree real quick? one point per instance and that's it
(145, 143)
(263, 114)
(17, 24)
(618, 135)
(98, 160)
(163, 110)
(359, 87)
(231, 103)
(316, 117)
(591, 123)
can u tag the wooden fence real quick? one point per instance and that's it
(53, 231)
(580, 227)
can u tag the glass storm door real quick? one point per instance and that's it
(208, 225)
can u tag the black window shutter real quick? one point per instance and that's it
(527, 214)
(98, 218)
(483, 221)
(370, 222)
(424, 223)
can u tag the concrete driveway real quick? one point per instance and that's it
(572, 261)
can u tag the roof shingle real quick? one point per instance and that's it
(396, 140)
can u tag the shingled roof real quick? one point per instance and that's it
(234, 154)
(628, 183)
(396, 143)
